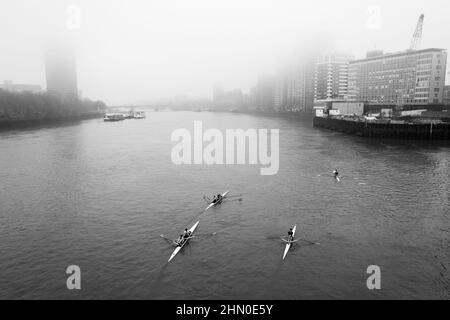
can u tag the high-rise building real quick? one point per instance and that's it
(227, 99)
(60, 71)
(280, 92)
(331, 77)
(409, 77)
(218, 92)
(265, 92)
(300, 87)
(234, 98)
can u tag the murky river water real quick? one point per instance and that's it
(99, 195)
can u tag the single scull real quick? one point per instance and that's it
(289, 242)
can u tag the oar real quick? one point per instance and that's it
(236, 196)
(188, 238)
(201, 236)
(167, 239)
(325, 173)
(311, 242)
(289, 241)
(184, 241)
(240, 199)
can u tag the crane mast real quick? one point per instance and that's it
(417, 37)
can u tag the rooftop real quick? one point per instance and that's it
(398, 54)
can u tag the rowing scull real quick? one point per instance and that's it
(212, 204)
(289, 242)
(179, 247)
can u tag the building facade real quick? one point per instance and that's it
(331, 77)
(446, 97)
(410, 77)
(218, 92)
(300, 88)
(264, 92)
(13, 87)
(60, 71)
(280, 92)
(222, 99)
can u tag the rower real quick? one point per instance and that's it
(180, 240)
(185, 233)
(336, 173)
(290, 235)
(214, 199)
(219, 197)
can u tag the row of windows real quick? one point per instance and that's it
(388, 100)
(428, 61)
(386, 76)
(424, 67)
(425, 56)
(421, 68)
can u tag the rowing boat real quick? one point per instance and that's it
(212, 204)
(179, 247)
(289, 242)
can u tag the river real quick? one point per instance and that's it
(99, 195)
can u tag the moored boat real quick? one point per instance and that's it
(139, 115)
(113, 117)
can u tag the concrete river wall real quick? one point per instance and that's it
(420, 131)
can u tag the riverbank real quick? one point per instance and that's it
(279, 114)
(25, 108)
(8, 124)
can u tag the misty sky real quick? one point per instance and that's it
(134, 51)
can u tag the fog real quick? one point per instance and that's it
(141, 51)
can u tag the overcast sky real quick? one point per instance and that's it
(131, 51)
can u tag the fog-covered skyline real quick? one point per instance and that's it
(145, 50)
